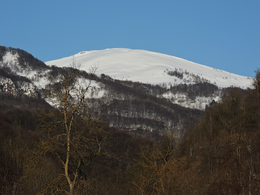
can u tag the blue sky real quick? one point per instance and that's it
(223, 34)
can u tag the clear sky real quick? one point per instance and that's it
(223, 34)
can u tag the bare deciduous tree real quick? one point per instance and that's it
(67, 92)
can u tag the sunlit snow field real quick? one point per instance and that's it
(149, 67)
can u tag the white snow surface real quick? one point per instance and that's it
(150, 67)
(10, 58)
(200, 102)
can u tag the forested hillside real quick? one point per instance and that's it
(219, 155)
(224, 148)
(137, 108)
(107, 136)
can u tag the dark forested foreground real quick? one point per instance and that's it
(220, 155)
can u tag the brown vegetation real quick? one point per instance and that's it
(219, 155)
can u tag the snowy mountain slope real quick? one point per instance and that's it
(20, 77)
(136, 107)
(151, 67)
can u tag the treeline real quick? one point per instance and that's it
(224, 146)
(131, 115)
(194, 90)
(132, 104)
(135, 106)
(220, 155)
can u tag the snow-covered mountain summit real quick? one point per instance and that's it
(142, 108)
(151, 67)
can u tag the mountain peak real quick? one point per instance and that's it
(151, 67)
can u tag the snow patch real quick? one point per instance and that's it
(200, 102)
(10, 58)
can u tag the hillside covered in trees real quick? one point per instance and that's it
(137, 108)
(133, 139)
(219, 155)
